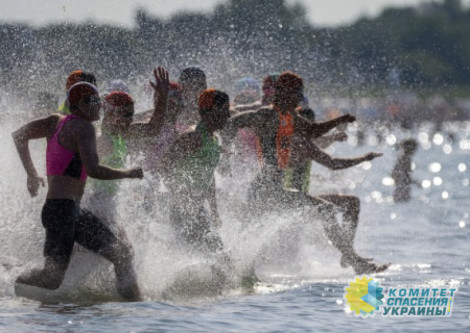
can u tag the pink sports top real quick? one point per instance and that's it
(59, 160)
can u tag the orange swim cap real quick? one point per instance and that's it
(79, 76)
(74, 77)
(211, 98)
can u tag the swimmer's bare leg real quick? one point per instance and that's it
(336, 235)
(121, 256)
(351, 206)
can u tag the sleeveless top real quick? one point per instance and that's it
(61, 161)
(117, 160)
(195, 172)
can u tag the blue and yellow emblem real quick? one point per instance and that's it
(364, 296)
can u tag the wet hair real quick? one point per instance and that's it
(211, 99)
(289, 81)
(79, 76)
(193, 75)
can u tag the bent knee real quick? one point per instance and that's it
(351, 202)
(355, 203)
(54, 283)
(119, 252)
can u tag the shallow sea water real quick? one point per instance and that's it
(302, 289)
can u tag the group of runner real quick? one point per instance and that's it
(184, 154)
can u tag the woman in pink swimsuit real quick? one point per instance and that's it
(71, 156)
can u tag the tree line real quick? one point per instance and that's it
(427, 46)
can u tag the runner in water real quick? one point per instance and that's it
(268, 89)
(302, 150)
(71, 155)
(193, 82)
(119, 137)
(119, 132)
(158, 146)
(74, 77)
(275, 125)
(188, 171)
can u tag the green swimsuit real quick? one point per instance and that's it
(116, 160)
(196, 171)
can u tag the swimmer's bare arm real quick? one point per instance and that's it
(250, 119)
(36, 129)
(160, 97)
(311, 151)
(318, 129)
(327, 140)
(86, 146)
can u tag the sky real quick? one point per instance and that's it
(121, 12)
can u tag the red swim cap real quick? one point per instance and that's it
(119, 98)
(80, 90)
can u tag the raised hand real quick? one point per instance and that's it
(162, 82)
(33, 184)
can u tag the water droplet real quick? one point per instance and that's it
(438, 139)
(464, 144)
(445, 195)
(447, 149)
(366, 165)
(391, 139)
(426, 183)
(462, 224)
(435, 167)
(376, 195)
(393, 216)
(388, 181)
(437, 181)
(426, 145)
(423, 137)
(462, 167)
